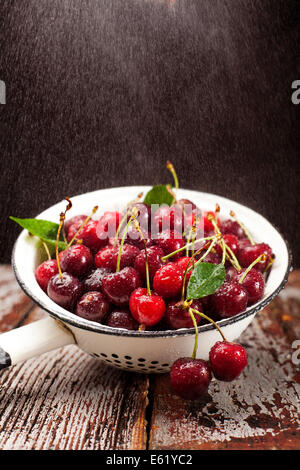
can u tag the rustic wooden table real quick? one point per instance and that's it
(68, 400)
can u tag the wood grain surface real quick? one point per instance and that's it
(100, 93)
(67, 400)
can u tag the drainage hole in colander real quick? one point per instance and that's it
(154, 362)
(103, 354)
(115, 355)
(128, 357)
(129, 363)
(141, 359)
(117, 362)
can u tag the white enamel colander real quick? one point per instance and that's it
(148, 351)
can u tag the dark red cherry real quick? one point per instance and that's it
(250, 253)
(93, 282)
(232, 227)
(184, 263)
(64, 291)
(213, 258)
(227, 360)
(45, 271)
(122, 318)
(89, 236)
(232, 241)
(154, 261)
(170, 241)
(169, 218)
(77, 219)
(168, 281)
(92, 306)
(231, 273)
(208, 226)
(230, 299)
(177, 316)
(118, 286)
(187, 205)
(134, 237)
(254, 284)
(76, 260)
(108, 224)
(190, 378)
(143, 214)
(128, 256)
(104, 257)
(146, 309)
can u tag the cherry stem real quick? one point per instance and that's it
(122, 243)
(46, 249)
(164, 258)
(184, 276)
(82, 225)
(196, 333)
(272, 259)
(233, 259)
(205, 254)
(137, 226)
(192, 233)
(243, 227)
(172, 170)
(211, 321)
(262, 257)
(119, 227)
(142, 327)
(61, 222)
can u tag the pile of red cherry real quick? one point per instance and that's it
(102, 280)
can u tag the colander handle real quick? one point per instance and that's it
(32, 340)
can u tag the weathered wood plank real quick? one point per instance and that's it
(65, 399)
(260, 410)
(14, 304)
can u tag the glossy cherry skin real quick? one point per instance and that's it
(232, 227)
(232, 241)
(187, 205)
(77, 219)
(77, 260)
(118, 286)
(230, 299)
(146, 309)
(45, 271)
(65, 291)
(208, 226)
(89, 236)
(170, 241)
(143, 214)
(121, 318)
(177, 316)
(154, 254)
(104, 257)
(134, 237)
(92, 306)
(108, 257)
(250, 253)
(227, 360)
(108, 224)
(169, 218)
(184, 263)
(93, 281)
(190, 378)
(168, 281)
(254, 284)
(213, 258)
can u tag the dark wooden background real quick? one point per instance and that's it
(100, 93)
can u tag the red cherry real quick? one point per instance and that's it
(104, 257)
(146, 309)
(168, 280)
(65, 290)
(169, 218)
(178, 317)
(143, 214)
(118, 286)
(254, 284)
(213, 258)
(208, 226)
(76, 220)
(227, 360)
(230, 240)
(230, 299)
(190, 378)
(232, 227)
(183, 263)
(45, 271)
(93, 281)
(89, 236)
(92, 306)
(76, 260)
(250, 253)
(108, 223)
(154, 261)
(122, 318)
(170, 241)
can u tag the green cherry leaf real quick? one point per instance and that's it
(158, 195)
(206, 278)
(43, 229)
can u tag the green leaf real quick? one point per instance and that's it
(206, 278)
(158, 195)
(44, 229)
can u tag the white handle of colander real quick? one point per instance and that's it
(32, 340)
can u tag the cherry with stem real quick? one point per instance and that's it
(82, 225)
